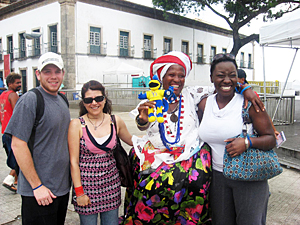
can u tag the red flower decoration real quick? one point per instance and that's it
(144, 212)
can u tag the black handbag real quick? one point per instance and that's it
(122, 161)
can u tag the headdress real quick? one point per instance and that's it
(161, 65)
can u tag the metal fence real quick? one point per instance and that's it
(127, 98)
(272, 87)
(286, 109)
(123, 99)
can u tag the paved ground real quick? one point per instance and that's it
(284, 203)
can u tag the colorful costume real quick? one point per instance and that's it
(171, 185)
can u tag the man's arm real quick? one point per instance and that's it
(24, 159)
(13, 98)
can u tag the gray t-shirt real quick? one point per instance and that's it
(50, 152)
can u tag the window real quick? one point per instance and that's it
(22, 46)
(167, 45)
(36, 45)
(124, 43)
(53, 38)
(148, 47)
(250, 61)
(35, 80)
(200, 58)
(10, 47)
(24, 81)
(224, 50)
(185, 47)
(213, 52)
(242, 65)
(95, 40)
(1, 52)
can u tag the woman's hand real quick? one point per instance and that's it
(249, 95)
(236, 146)
(276, 134)
(83, 200)
(143, 111)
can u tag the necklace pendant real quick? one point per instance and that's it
(95, 128)
(174, 118)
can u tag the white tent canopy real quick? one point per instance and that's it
(284, 32)
(121, 75)
(123, 68)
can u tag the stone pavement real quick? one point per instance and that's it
(284, 203)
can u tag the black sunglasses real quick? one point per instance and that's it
(222, 55)
(90, 100)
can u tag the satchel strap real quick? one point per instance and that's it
(245, 113)
(113, 118)
(246, 118)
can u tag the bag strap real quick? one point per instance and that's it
(246, 118)
(115, 125)
(40, 107)
(64, 98)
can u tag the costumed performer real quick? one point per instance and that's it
(171, 178)
(172, 168)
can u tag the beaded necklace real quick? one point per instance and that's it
(162, 130)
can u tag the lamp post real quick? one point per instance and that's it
(35, 35)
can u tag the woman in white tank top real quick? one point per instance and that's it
(233, 202)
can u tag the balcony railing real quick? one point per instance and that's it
(97, 49)
(127, 51)
(201, 59)
(30, 51)
(33, 51)
(51, 47)
(166, 51)
(250, 65)
(149, 53)
(242, 64)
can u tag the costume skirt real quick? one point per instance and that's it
(173, 194)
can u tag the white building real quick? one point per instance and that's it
(95, 35)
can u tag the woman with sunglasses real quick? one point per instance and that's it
(97, 187)
(172, 167)
(233, 202)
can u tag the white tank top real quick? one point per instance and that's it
(219, 124)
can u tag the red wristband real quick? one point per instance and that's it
(79, 191)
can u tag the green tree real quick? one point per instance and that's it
(237, 14)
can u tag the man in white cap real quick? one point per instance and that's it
(44, 178)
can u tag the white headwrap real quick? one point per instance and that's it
(161, 65)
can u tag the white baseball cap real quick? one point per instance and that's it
(50, 58)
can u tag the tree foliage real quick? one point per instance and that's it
(238, 13)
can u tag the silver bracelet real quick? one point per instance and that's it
(137, 121)
(246, 143)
